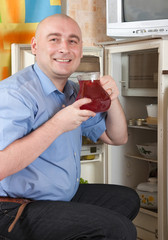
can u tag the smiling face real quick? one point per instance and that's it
(58, 47)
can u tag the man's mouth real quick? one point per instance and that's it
(62, 60)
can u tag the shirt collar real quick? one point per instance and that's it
(48, 85)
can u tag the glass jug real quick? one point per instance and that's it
(90, 87)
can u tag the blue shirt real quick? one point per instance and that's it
(27, 100)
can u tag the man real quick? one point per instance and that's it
(40, 141)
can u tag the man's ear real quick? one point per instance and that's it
(33, 45)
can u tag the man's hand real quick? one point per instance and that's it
(72, 116)
(109, 86)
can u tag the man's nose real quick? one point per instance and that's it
(64, 46)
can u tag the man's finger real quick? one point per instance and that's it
(81, 102)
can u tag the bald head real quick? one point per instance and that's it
(56, 17)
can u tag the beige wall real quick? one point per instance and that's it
(91, 17)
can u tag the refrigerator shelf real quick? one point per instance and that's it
(91, 161)
(140, 158)
(149, 212)
(143, 127)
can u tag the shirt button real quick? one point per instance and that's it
(77, 179)
(75, 154)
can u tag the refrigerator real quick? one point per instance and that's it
(140, 69)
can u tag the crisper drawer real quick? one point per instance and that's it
(146, 225)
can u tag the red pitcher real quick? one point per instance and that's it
(90, 87)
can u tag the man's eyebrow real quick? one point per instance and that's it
(59, 35)
(75, 36)
(54, 34)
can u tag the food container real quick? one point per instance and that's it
(147, 192)
(148, 150)
(88, 157)
(140, 121)
(152, 110)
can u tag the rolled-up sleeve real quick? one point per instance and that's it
(94, 127)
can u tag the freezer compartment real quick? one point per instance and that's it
(142, 69)
(137, 71)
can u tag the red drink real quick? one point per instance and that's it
(92, 89)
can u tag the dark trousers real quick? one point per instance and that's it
(97, 211)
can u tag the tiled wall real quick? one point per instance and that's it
(91, 17)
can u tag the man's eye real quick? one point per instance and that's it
(73, 41)
(54, 39)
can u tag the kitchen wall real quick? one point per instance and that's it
(91, 17)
